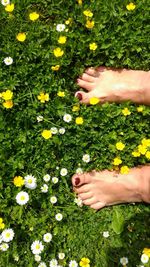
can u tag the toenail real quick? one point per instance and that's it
(79, 96)
(77, 181)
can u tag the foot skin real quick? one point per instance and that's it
(112, 85)
(106, 188)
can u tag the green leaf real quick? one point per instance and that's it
(117, 222)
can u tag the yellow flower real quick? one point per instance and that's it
(146, 251)
(18, 181)
(145, 142)
(61, 94)
(1, 94)
(126, 112)
(88, 13)
(8, 104)
(21, 36)
(93, 46)
(2, 225)
(142, 149)
(62, 39)
(124, 170)
(85, 262)
(120, 146)
(136, 154)
(79, 120)
(147, 155)
(75, 108)
(7, 95)
(117, 161)
(94, 100)
(47, 134)
(130, 6)
(68, 21)
(9, 8)
(140, 108)
(58, 52)
(79, 2)
(56, 67)
(33, 16)
(90, 24)
(43, 97)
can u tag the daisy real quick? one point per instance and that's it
(60, 27)
(63, 172)
(73, 263)
(67, 118)
(37, 247)
(44, 188)
(37, 258)
(106, 234)
(8, 235)
(47, 237)
(79, 171)
(61, 255)
(30, 182)
(4, 246)
(8, 60)
(53, 263)
(22, 198)
(86, 158)
(39, 118)
(53, 199)
(124, 261)
(58, 216)
(5, 2)
(55, 180)
(144, 258)
(78, 201)
(54, 130)
(62, 130)
(42, 264)
(46, 178)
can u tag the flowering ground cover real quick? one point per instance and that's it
(46, 135)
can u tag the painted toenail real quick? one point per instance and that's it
(77, 181)
(79, 96)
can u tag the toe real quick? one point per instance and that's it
(88, 78)
(83, 97)
(85, 84)
(78, 180)
(90, 201)
(92, 72)
(85, 196)
(98, 205)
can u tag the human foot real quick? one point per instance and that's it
(114, 85)
(105, 188)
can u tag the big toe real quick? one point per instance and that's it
(78, 180)
(83, 97)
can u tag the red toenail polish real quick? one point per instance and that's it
(77, 181)
(79, 96)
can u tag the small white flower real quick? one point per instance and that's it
(73, 263)
(124, 260)
(46, 177)
(86, 158)
(39, 118)
(37, 247)
(44, 188)
(53, 199)
(5, 2)
(78, 201)
(60, 27)
(63, 172)
(8, 60)
(58, 216)
(16, 258)
(22, 198)
(57, 168)
(67, 118)
(37, 258)
(42, 264)
(30, 182)
(79, 171)
(47, 237)
(53, 263)
(106, 234)
(144, 258)
(4, 246)
(62, 130)
(55, 180)
(8, 235)
(54, 130)
(61, 255)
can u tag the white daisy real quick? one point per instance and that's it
(67, 118)
(46, 177)
(39, 118)
(73, 263)
(5, 2)
(22, 198)
(37, 258)
(79, 171)
(30, 182)
(60, 27)
(58, 216)
(47, 237)
(44, 188)
(78, 201)
(54, 130)
(144, 258)
(86, 158)
(124, 260)
(4, 246)
(55, 180)
(62, 130)
(7, 235)
(8, 60)
(61, 255)
(53, 199)
(63, 172)
(42, 264)
(53, 263)
(37, 247)
(105, 234)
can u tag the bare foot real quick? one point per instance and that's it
(114, 85)
(105, 188)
